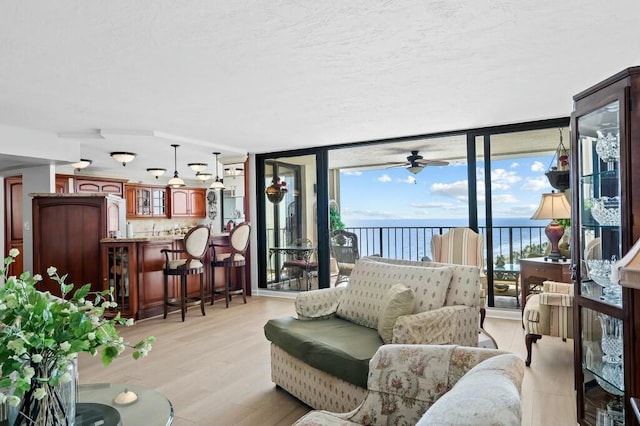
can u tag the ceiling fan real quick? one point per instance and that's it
(415, 163)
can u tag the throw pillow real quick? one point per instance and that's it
(399, 300)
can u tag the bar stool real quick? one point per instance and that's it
(195, 246)
(234, 258)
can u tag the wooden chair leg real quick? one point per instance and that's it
(529, 339)
(166, 294)
(244, 285)
(213, 284)
(183, 295)
(202, 293)
(227, 284)
(483, 314)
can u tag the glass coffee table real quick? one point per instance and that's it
(151, 408)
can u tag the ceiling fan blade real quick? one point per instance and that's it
(432, 162)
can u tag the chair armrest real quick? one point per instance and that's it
(318, 303)
(440, 326)
(556, 299)
(557, 287)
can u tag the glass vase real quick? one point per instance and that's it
(58, 405)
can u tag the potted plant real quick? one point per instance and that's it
(40, 337)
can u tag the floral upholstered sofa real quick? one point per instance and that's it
(322, 356)
(435, 385)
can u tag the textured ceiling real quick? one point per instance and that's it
(259, 76)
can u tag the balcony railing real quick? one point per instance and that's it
(414, 243)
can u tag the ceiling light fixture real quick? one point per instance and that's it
(415, 169)
(83, 163)
(203, 176)
(156, 171)
(175, 181)
(237, 171)
(216, 184)
(198, 167)
(123, 157)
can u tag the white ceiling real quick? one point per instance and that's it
(253, 76)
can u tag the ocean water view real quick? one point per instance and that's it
(411, 238)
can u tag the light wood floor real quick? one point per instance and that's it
(215, 369)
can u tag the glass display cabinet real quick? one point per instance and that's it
(605, 148)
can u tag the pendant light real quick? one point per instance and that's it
(175, 181)
(216, 184)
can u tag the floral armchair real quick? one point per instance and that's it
(435, 384)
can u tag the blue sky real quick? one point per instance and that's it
(441, 192)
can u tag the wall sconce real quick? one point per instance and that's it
(203, 176)
(156, 172)
(198, 167)
(123, 157)
(83, 163)
(216, 184)
(175, 181)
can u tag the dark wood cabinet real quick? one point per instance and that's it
(144, 201)
(67, 229)
(188, 202)
(605, 153)
(534, 271)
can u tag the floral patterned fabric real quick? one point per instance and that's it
(406, 382)
(447, 325)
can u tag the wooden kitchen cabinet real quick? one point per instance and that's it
(188, 202)
(67, 229)
(111, 186)
(145, 201)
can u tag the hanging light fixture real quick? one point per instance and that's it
(123, 157)
(198, 167)
(237, 171)
(216, 184)
(157, 172)
(175, 181)
(203, 176)
(83, 163)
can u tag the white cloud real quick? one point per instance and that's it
(514, 165)
(384, 178)
(503, 198)
(503, 179)
(536, 184)
(454, 189)
(409, 179)
(537, 166)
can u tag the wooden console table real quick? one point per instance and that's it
(534, 271)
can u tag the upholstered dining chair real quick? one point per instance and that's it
(228, 256)
(301, 264)
(189, 262)
(462, 246)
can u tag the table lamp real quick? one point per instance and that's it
(553, 206)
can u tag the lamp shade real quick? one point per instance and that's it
(175, 182)
(203, 176)
(198, 167)
(123, 157)
(415, 169)
(216, 184)
(157, 172)
(553, 205)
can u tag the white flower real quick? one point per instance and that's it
(88, 303)
(65, 346)
(130, 322)
(36, 358)
(73, 308)
(28, 373)
(106, 304)
(11, 301)
(81, 300)
(2, 306)
(91, 336)
(3, 398)
(17, 346)
(13, 401)
(65, 378)
(39, 393)
(28, 306)
(51, 270)
(14, 252)
(37, 277)
(19, 285)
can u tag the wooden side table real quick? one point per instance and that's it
(534, 271)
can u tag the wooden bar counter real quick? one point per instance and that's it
(134, 268)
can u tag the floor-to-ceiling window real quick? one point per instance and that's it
(396, 193)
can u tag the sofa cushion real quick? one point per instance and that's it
(371, 279)
(489, 394)
(335, 346)
(399, 300)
